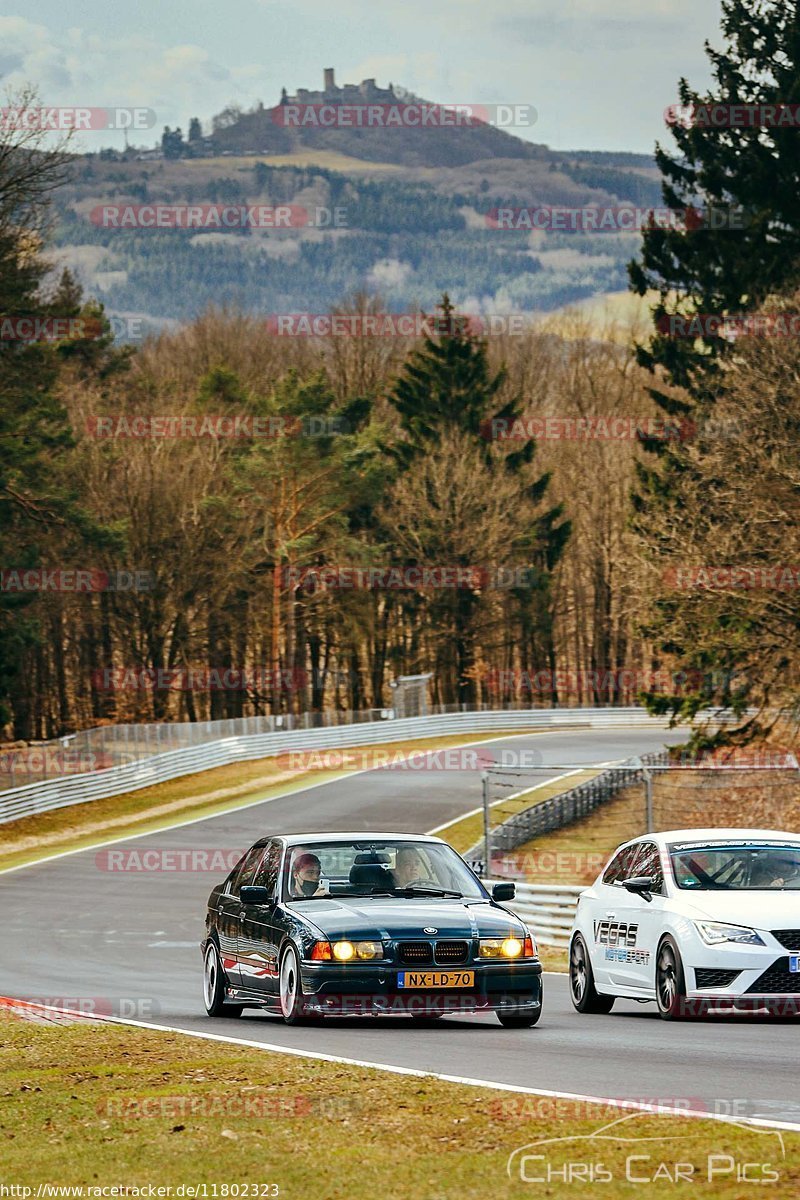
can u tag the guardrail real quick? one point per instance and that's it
(160, 768)
(570, 806)
(549, 911)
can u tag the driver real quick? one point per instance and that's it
(306, 871)
(408, 867)
(765, 875)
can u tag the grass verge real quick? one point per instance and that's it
(103, 1105)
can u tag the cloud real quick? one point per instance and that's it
(389, 273)
(572, 260)
(86, 69)
(599, 72)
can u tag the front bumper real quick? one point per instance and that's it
(372, 989)
(746, 979)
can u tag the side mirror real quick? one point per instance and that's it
(640, 885)
(504, 891)
(255, 895)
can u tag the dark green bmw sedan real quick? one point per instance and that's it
(355, 924)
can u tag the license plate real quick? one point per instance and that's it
(435, 979)
(794, 963)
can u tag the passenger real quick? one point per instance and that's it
(408, 867)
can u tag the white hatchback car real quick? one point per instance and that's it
(697, 920)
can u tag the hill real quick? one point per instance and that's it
(370, 123)
(414, 220)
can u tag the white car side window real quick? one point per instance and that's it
(619, 867)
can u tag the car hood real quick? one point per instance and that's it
(402, 918)
(768, 909)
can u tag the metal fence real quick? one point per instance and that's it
(118, 745)
(572, 805)
(144, 771)
(549, 909)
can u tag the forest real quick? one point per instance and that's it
(219, 520)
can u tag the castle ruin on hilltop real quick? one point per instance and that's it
(366, 92)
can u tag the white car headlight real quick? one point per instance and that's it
(715, 932)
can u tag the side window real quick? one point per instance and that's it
(648, 862)
(619, 867)
(267, 872)
(247, 869)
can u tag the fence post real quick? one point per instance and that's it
(487, 838)
(648, 791)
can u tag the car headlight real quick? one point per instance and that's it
(716, 932)
(368, 950)
(360, 951)
(510, 947)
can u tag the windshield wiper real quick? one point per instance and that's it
(412, 891)
(359, 895)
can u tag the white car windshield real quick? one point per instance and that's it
(404, 869)
(735, 866)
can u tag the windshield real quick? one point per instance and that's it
(742, 866)
(403, 869)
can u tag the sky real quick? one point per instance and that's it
(599, 73)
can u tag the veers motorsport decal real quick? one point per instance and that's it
(619, 939)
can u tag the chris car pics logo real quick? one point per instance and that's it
(627, 1150)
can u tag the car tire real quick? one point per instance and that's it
(290, 988)
(519, 1020)
(670, 982)
(584, 995)
(214, 985)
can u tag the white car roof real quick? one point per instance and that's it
(716, 835)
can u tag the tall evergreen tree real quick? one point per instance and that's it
(447, 386)
(737, 163)
(449, 382)
(744, 178)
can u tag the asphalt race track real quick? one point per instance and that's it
(73, 929)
